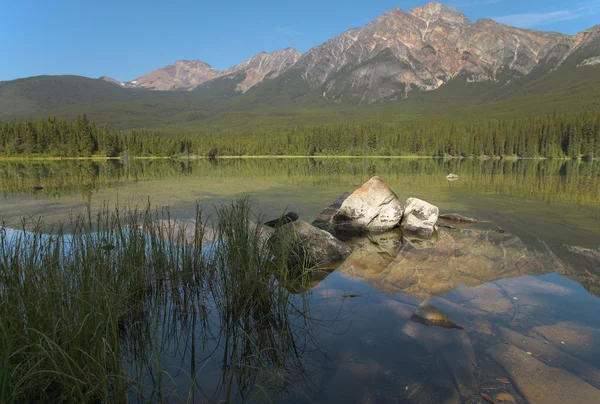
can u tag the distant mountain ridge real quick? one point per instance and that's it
(395, 54)
(432, 57)
(188, 74)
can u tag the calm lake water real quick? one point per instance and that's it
(525, 299)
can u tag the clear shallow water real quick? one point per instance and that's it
(355, 338)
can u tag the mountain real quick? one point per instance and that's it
(189, 74)
(181, 75)
(422, 49)
(430, 56)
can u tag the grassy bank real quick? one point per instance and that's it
(91, 316)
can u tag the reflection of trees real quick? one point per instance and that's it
(551, 180)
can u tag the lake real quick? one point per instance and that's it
(522, 285)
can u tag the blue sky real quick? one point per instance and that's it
(127, 38)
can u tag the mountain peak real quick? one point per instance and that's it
(195, 63)
(434, 11)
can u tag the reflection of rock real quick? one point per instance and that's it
(419, 217)
(540, 383)
(457, 218)
(374, 252)
(426, 313)
(542, 349)
(323, 220)
(452, 177)
(371, 208)
(577, 339)
(177, 231)
(459, 257)
(304, 244)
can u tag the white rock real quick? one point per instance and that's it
(374, 207)
(420, 217)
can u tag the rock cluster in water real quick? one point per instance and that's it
(375, 208)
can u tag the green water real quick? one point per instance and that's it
(363, 347)
(553, 201)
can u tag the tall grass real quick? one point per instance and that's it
(93, 316)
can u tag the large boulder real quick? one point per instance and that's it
(303, 244)
(420, 217)
(371, 208)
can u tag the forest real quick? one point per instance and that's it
(554, 135)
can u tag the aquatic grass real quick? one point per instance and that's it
(90, 316)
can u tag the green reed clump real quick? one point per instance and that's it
(84, 316)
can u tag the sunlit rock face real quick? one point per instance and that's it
(189, 74)
(422, 49)
(374, 207)
(420, 218)
(437, 266)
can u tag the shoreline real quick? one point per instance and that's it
(100, 158)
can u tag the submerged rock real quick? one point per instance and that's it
(305, 244)
(540, 383)
(550, 352)
(457, 218)
(371, 208)
(426, 313)
(577, 339)
(420, 217)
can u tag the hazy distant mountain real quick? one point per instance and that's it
(188, 74)
(181, 75)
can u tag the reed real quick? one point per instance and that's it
(93, 315)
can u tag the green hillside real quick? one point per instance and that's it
(288, 101)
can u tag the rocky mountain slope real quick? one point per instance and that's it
(398, 53)
(432, 55)
(422, 49)
(188, 74)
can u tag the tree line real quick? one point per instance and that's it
(552, 136)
